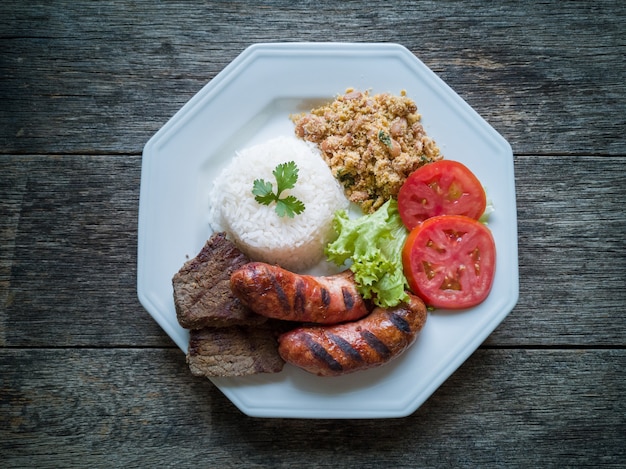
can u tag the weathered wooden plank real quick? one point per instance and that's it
(87, 378)
(69, 240)
(69, 256)
(121, 407)
(572, 253)
(84, 77)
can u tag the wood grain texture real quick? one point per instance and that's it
(121, 407)
(572, 253)
(71, 240)
(88, 378)
(70, 256)
(85, 77)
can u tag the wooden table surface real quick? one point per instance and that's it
(87, 377)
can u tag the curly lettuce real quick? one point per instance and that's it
(372, 246)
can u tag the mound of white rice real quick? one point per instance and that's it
(294, 243)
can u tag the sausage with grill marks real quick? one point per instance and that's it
(345, 348)
(274, 292)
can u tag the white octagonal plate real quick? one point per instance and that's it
(250, 102)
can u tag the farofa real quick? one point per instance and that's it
(370, 143)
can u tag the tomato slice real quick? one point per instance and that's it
(450, 261)
(444, 187)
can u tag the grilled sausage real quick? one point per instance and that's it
(277, 293)
(344, 348)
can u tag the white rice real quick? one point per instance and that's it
(294, 243)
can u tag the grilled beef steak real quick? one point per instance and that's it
(233, 351)
(202, 293)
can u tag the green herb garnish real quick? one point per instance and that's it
(385, 138)
(346, 179)
(286, 175)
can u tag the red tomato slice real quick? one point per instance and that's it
(441, 188)
(450, 261)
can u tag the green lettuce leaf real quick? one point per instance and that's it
(372, 245)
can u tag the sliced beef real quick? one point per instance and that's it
(202, 294)
(233, 351)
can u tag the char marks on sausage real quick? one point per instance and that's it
(379, 347)
(400, 323)
(320, 353)
(344, 348)
(274, 292)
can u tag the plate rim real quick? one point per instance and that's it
(326, 48)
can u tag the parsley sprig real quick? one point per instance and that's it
(286, 175)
